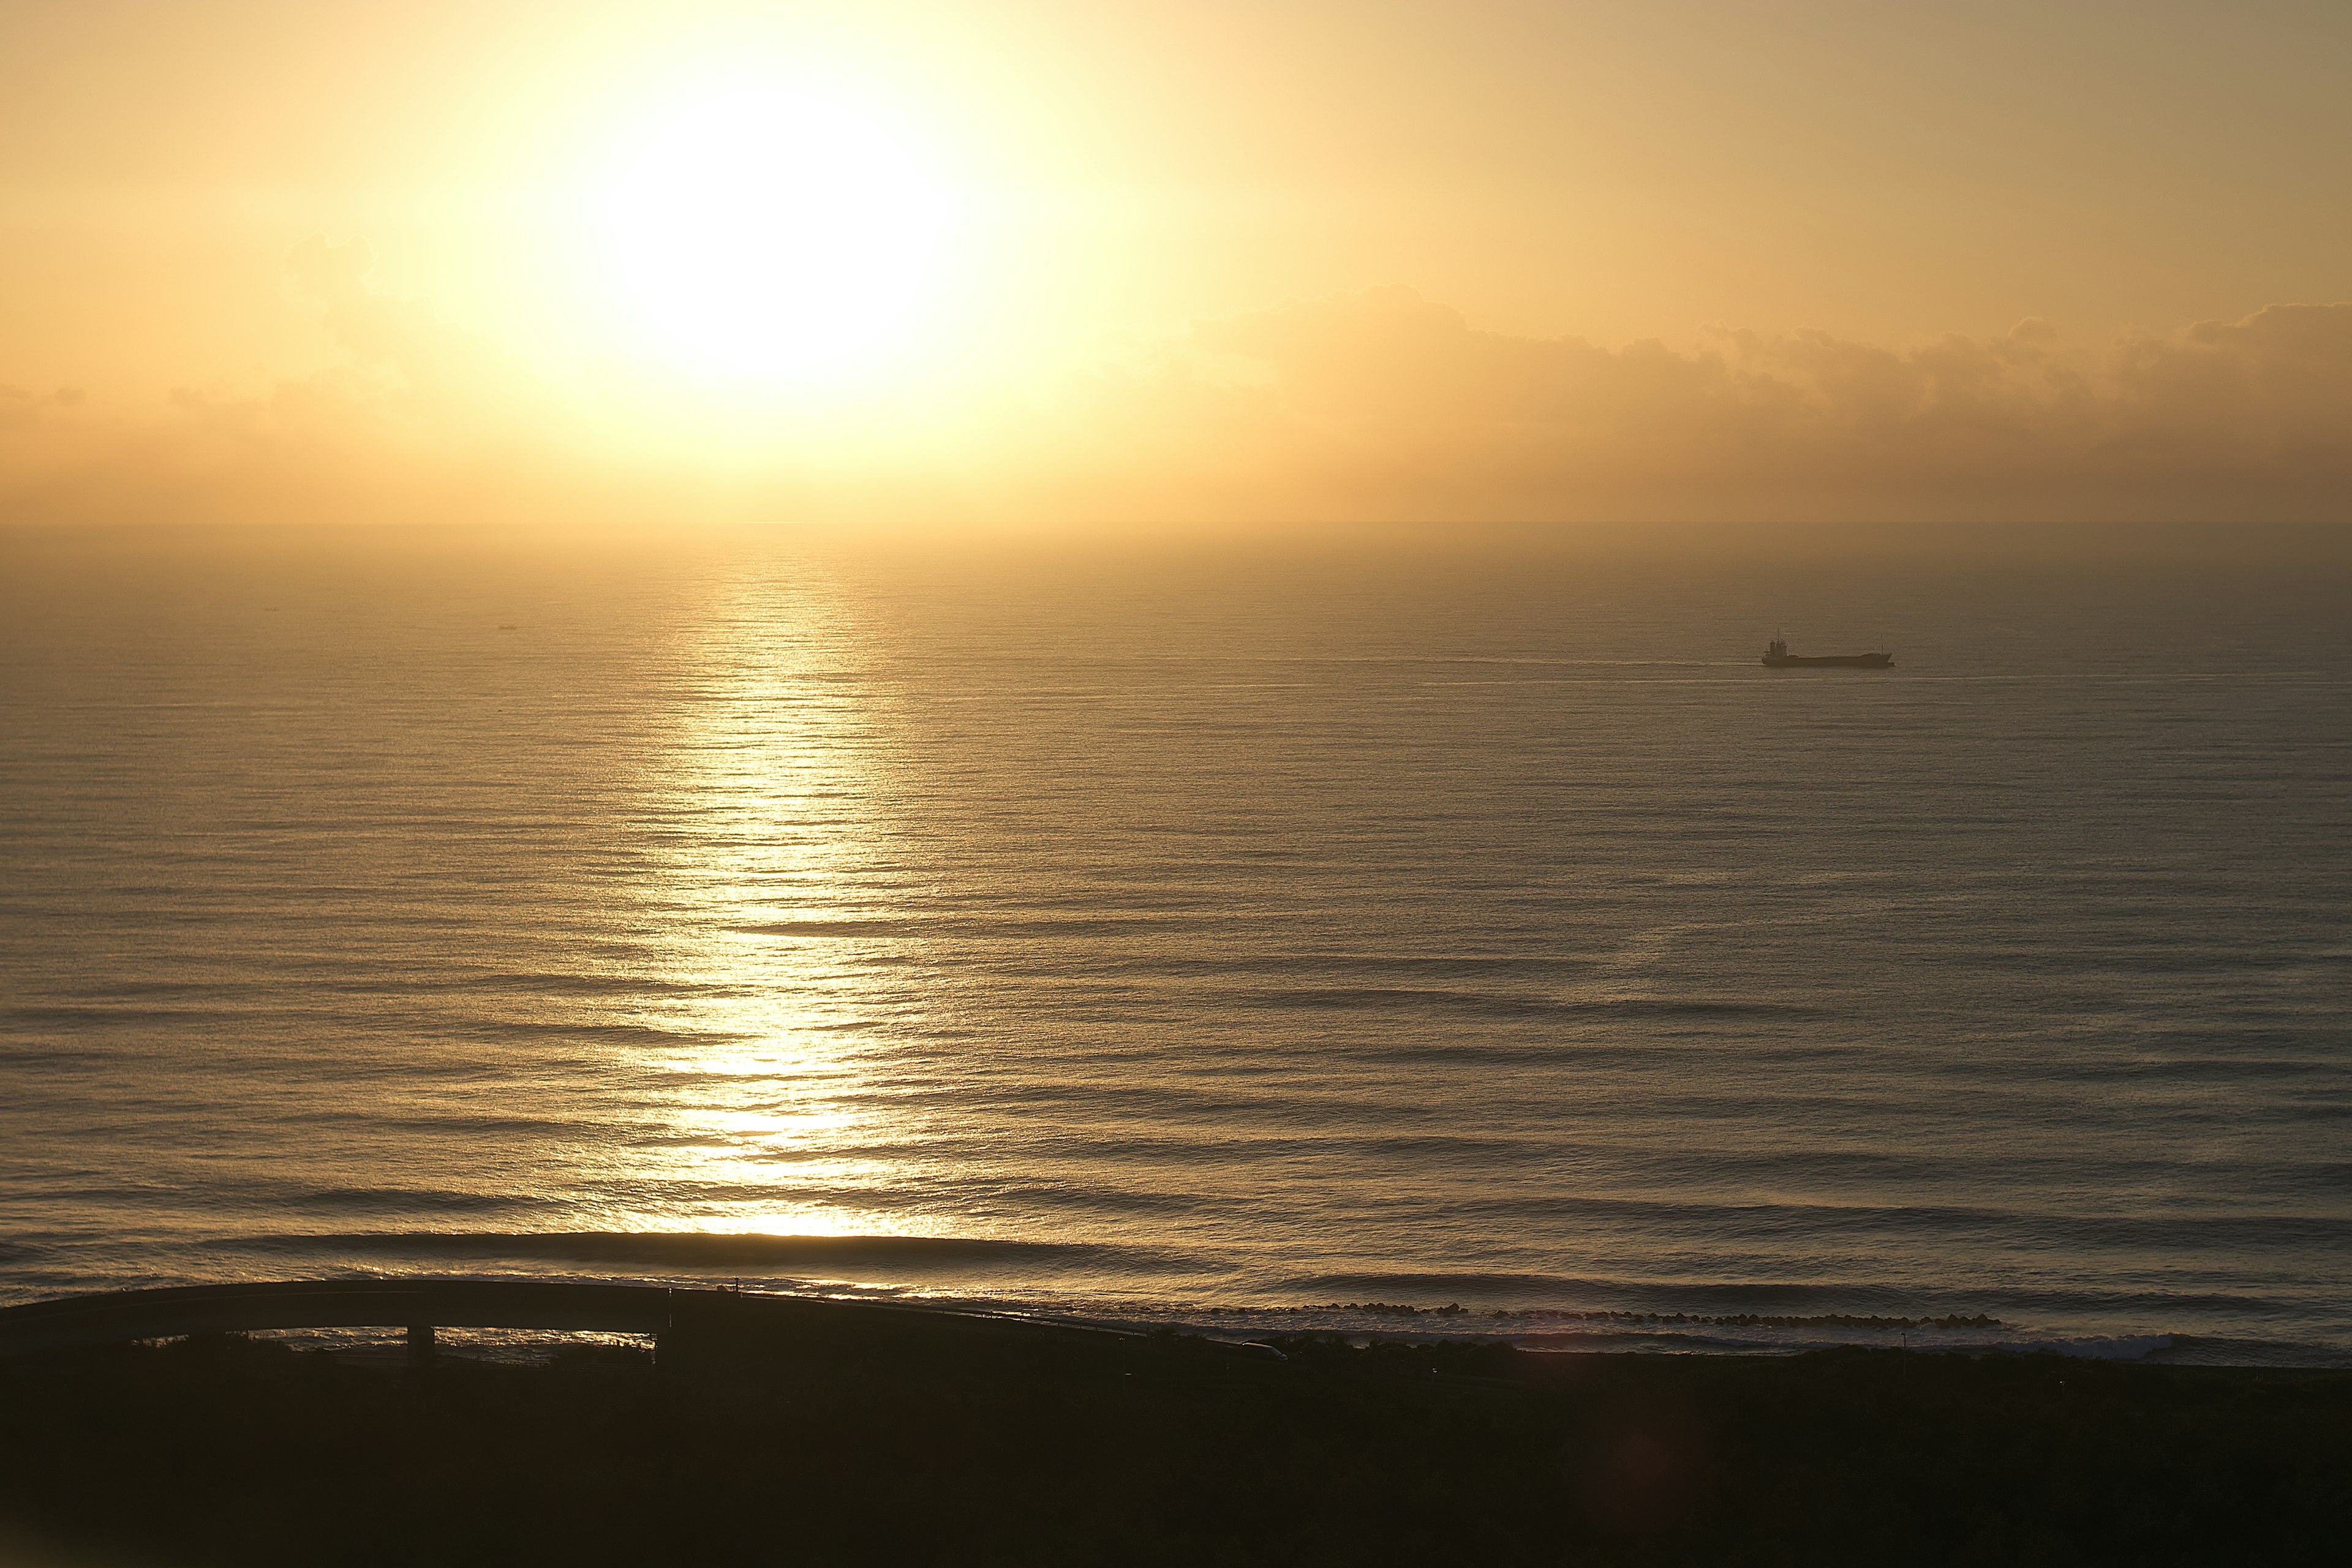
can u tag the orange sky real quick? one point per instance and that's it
(1383, 260)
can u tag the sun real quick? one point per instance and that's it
(771, 234)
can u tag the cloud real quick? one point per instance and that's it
(2276, 386)
(1377, 406)
(1385, 404)
(437, 367)
(416, 419)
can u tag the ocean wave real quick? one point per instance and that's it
(1434, 998)
(2085, 1347)
(583, 984)
(457, 1121)
(1737, 1320)
(697, 1249)
(2214, 1349)
(22, 1054)
(115, 1013)
(2223, 1233)
(584, 1029)
(1064, 1280)
(864, 928)
(1582, 1293)
(394, 1200)
(942, 927)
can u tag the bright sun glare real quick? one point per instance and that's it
(771, 236)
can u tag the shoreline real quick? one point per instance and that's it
(1569, 1330)
(776, 1428)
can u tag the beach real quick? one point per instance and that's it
(823, 1432)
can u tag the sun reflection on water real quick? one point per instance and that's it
(772, 812)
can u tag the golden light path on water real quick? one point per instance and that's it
(1139, 934)
(771, 802)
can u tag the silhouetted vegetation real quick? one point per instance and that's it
(876, 1437)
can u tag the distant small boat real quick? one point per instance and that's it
(1777, 656)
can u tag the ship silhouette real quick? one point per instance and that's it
(1777, 656)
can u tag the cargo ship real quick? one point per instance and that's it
(1777, 656)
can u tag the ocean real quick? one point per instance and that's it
(1404, 933)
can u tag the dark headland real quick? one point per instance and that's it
(784, 1430)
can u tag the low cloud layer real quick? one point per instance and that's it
(1380, 406)
(1387, 406)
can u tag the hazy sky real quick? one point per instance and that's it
(1390, 259)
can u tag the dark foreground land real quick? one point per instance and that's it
(869, 1435)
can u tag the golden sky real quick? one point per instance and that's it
(1390, 260)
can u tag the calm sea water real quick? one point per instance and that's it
(1248, 935)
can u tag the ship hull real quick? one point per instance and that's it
(1829, 661)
